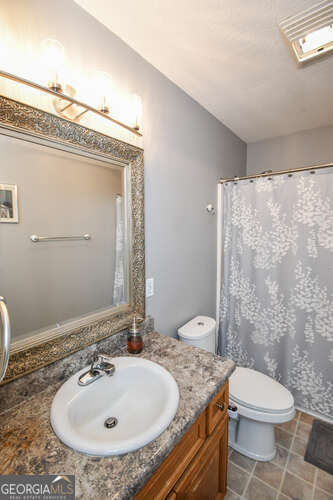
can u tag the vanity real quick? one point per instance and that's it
(189, 457)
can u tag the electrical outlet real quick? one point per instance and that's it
(149, 287)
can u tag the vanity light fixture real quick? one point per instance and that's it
(310, 33)
(52, 59)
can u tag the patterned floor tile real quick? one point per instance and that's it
(300, 468)
(325, 481)
(269, 473)
(299, 478)
(281, 456)
(283, 438)
(296, 488)
(231, 495)
(303, 430)
(257, 490)
(321, 495)
(242, 461)
(308, 419)
(237, 478)
(289, 426)
(299, 446)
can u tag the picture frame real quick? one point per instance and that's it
(8, 204)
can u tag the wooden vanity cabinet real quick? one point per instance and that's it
(197, 467)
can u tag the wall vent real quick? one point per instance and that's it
(310, 33)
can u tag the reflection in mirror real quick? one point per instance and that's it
(56, 283)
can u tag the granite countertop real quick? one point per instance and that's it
(29, 446)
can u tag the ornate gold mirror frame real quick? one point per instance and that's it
(18, 117)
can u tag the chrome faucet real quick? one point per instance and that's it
(100, 365)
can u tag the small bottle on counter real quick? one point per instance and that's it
(134, 337)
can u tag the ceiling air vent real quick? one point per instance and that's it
(310, 33)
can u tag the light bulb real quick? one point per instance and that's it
(52, 57)
(102, 88)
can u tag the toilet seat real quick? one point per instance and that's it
(260, 397)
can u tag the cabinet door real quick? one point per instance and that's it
(218, 408)
(161, 483)
(205, 478)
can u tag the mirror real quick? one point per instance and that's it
(66, 257)
(71, 234)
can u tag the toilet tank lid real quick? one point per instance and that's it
(256, 390)
(197, 328)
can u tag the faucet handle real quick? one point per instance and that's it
(105, 357)
(93, 362)
(103, 362)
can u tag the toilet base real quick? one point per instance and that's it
(247, 453)
(253, 439)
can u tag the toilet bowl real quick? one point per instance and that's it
(257, 403)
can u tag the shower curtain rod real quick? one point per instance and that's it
(270, 173)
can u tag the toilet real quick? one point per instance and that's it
(256, 402)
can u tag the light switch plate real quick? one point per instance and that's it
(149, 287)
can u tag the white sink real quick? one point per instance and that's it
(142, 395)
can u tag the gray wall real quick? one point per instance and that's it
(309, 147)
(58, 194)
(186, 151)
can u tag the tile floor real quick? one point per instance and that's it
(288, 476)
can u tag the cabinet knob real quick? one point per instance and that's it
(220, 406)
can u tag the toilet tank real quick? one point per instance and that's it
(199, 332)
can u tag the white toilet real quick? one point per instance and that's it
(256, 402)
(261, 403)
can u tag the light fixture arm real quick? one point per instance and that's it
(69, 99)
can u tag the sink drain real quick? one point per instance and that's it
(110, 422)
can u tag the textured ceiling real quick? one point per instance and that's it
(230, 57)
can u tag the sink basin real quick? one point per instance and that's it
(137, 403)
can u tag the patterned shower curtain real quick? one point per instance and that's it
(276, 311)
(119, 273)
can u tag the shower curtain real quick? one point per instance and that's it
(119, 273)
(276, 308)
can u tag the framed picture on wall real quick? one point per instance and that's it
(8, 203)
